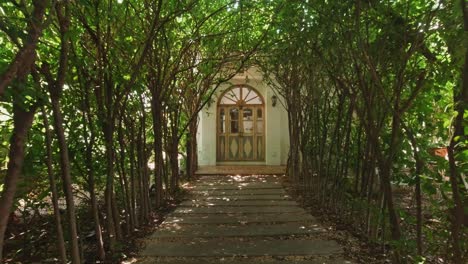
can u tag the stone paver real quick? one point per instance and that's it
(239, 210)
(266, 197)
(206, 203)
(223, 260)
(175, 230)
(243, 170)
(223, 248)
(240, 219)
(237, 186)
(239, 192)
(236, 179)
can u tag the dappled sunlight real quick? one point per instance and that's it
(237, 173)
(234, 130)
(220, 222)
(130, 261)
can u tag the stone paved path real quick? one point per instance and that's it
(242, 170)
(232, 219)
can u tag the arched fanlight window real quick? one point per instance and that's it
(241, 95)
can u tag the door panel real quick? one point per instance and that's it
(221, 148)
(240, 126)
(260, 148)
(248, 149)
(234, 148)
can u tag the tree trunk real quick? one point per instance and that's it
(55, 89)
(94, 207)
(116, 216)
(124, 182)
(190, 155)
(158, 149)
(460, 100)
(191, 164)
(174, 165)
(141, 176)
(53, 188)
(418, 172)
(143, 173)
(173, 141)
(385, 173)
(91, 183)
(25, 57)
(22, 121)
(133, 184)
(108, 193)
(66, 178)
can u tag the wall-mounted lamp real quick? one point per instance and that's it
(274, 100)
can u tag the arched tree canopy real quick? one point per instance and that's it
(99, 101)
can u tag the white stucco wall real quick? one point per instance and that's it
(276, 129)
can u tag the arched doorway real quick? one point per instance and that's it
(240, 125)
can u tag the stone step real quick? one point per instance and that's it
(236, 186)
(242, 260)
(238, 179)
(267, 197)
(239, 219)
(190, 231)
(208, 203)
(221, 248)
(239, 192)
(223, 170)
(239, 210)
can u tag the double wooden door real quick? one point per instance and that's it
(241, 133)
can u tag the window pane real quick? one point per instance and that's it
(234, 115)
(234, 126)
(248, 114)
(244, 95)
(248, 120)
(250, 96)
(227, 100)
(245, 92)
(222, 121)
(259, 114)
(255, 100)
(236, 93)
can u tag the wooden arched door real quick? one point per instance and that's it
(240, 125)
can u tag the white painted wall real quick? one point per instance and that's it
(276, 129)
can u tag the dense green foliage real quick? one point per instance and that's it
(370, 88)
(92, 92)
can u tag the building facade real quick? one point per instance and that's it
(246, 124)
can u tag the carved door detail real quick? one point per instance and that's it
(240, 128)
